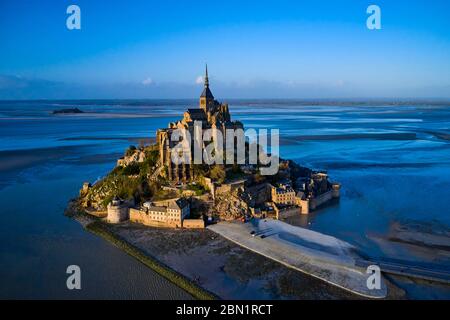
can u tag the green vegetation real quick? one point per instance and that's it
(135, 181)
(132, 169)
(184, 283)
(258, 177)
(235, 173)
(130, 151)
(197, 188)
(161, 194)
(128, 182)
(123, 186)
(200, 170)
(151, 157)
(217, 172)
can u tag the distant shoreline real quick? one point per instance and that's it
(247, 101)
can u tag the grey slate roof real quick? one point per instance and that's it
(197, 114)
(157, 209)
(207, 93)
(178, 204)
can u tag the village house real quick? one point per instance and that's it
(162, 213)
(172, 213)
(309, 194)
(283, 194)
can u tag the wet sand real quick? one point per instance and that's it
(353, 136)
(383, 180)
(226, 269)
(145, 140)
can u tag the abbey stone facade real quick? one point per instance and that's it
(211, 114)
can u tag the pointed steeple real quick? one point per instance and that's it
(206, 77)
(206, 98)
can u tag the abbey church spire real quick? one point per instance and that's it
(206, 98)
(206, 77)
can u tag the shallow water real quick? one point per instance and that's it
(401, 176)
(38, 243)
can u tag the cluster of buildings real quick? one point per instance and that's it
(311, 193)
(281, 199)
(171, 213)
(284, 201)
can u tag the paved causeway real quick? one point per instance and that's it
(314, 253)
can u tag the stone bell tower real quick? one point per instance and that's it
(206, 98)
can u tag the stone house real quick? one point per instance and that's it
(170, 213)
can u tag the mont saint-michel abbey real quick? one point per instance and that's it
(211, 114)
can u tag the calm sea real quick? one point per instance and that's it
(393, 163)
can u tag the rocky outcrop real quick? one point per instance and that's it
(138, 156)
(67, 111)
(230, 207)
(94, 196)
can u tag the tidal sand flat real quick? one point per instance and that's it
(226, 269)
(383, 180)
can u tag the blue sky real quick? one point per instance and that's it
(254, 49)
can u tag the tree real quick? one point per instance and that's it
(131, 169)
(130, 151)
(218, 173)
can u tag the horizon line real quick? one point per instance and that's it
(343, 99)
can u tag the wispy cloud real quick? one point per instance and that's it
(147, 81)
(16, 87)
(199, 80)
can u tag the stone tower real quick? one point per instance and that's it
(206, 98)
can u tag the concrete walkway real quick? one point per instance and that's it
(316, 254)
